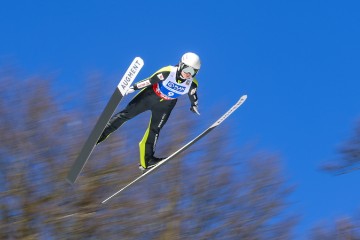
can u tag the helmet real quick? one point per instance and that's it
(192, 60)
(189, 63)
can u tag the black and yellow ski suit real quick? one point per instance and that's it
(158, 94)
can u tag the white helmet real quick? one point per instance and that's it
(191, 60)
(189, 63)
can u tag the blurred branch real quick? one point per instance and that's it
(349, 159)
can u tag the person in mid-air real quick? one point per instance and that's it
(158, 94)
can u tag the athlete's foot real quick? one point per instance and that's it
(150, 163)
(102, 138)
(153, 161)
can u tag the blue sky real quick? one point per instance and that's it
(298, 61)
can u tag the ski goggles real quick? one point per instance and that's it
(187, 69)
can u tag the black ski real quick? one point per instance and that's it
(105, 116)
(186, 146)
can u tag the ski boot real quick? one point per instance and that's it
(152, 162)
(102, 138)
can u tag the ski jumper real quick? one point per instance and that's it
(158, 94)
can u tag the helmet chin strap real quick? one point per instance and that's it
(178, 74)
(182, 77)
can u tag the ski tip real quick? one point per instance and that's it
(242, 98)
(139, 60)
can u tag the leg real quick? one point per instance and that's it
(159, 115)
(136, 106)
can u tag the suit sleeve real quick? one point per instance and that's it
(158, 76)
(193, 93)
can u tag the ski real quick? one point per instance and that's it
(201, 135)
(105, 116)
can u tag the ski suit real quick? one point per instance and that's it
(158, 94)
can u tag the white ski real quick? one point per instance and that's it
(217, 123)
(105, 116)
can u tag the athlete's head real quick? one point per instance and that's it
(189, 65)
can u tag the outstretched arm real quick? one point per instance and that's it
(193, 97)
(158, 76)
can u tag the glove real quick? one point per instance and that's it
(195, 109)
(131, 90)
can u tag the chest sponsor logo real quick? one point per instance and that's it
(175, 87)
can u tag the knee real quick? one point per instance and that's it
(125, 116)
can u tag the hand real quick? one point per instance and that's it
(131, 90)
(195, 109)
